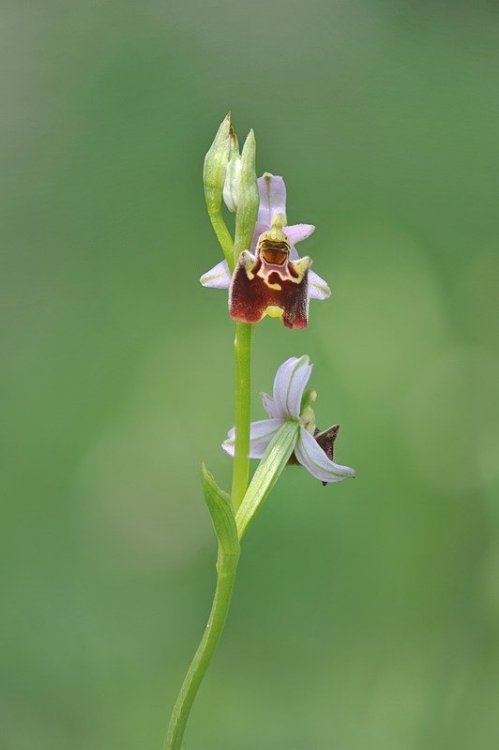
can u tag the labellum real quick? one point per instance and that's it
(270, 283)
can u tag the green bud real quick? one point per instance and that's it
(248, 198)
(233, 175)
(215, 167)
(214, 171)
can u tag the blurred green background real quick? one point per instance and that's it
(366, 615)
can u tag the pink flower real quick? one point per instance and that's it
(313, 449)
(271, 278)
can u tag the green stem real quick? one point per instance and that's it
(227, 558)
(226, 576)
(224, 238)
(228, 544)
(240, 471)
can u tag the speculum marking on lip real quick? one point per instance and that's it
(275, 253)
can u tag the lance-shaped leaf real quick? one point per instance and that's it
(222, 515)
(273, 462)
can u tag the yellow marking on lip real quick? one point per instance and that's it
(248, 262)
(265, 275)
(273, 311)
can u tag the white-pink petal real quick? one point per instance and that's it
(270, 406)
(272, 197)
(260, 228)
(217, 277)
(261, 433)
(289, 385)
(317, 287)
(298, 232)
(312, 457)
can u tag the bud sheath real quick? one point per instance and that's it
(214, 171)
(248, 198)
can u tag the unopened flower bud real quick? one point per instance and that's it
(232, 175)
(215, 167)
(248, 198)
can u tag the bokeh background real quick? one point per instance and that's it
(366, 615)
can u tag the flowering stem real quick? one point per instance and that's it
(226, 576)
(222, 507)
(240, 471)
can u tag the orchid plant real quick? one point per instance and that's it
(265, 276)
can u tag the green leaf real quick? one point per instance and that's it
(269, 469)
(221, 512)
